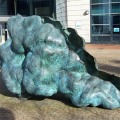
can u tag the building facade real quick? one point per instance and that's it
(105, 21)
(97, 21)
(78, 17)
(10, 8)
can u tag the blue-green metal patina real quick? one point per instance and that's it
(43, 58)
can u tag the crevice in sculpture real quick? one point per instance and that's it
(43, 58)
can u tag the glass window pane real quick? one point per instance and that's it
(7, 7)
(116, 37)
(42, 11)
(100, 38)
(3, 7)
(116, 19)
(100, 19)
(11, 7)
(100, 29)
(22, 7)
(43, 8)
(115, 8)
(115, 0)
(99, 1)
(100, 9)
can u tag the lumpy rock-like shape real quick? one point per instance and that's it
(41, 59)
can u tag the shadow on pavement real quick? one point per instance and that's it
(59, 97)
(116, 61)
(6, 114)
(109, 68)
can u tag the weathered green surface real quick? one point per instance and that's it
(41, 58)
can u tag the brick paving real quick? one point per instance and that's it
(59, 107)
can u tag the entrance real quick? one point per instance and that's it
(115, 31)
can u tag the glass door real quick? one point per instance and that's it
(115, 24)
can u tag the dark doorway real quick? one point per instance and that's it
(43, 7)
(115, 23)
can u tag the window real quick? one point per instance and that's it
(3, 7)
(43, 8)
(99, 1)
(101, 38)
(23, 7)
(100, 29)
(100, 9)
(116, 19)
(115, 0)
(100, 19)
(7, 7)
(115, 7)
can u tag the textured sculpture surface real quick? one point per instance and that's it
(43, 58)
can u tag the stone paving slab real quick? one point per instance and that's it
(108, 58)
(50, 109)
(59, 107)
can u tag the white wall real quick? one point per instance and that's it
(76, 18)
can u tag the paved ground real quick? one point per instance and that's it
(103, 46)
(107, 56)
(58, 107)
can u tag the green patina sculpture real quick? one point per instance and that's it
(43, 58)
